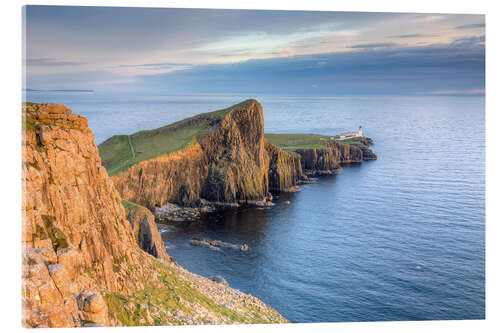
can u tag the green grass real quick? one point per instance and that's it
(129, 205)
(167, 298)
(356, 141)
(291, 142)
(117, 156)
(298, 141)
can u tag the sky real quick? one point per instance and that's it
(171, 51)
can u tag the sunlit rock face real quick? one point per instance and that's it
(85, 261)
(229, 164)
(232, 164)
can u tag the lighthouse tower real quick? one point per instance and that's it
(360, 132)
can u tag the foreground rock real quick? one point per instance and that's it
(218, 279)
(145, 230)
(84, 263)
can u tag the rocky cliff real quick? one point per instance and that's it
(227, 165)
(84, 262)
(230, 163)
(285, 168)
(328, 159)
(145, 230)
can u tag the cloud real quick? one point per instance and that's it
(412, 36)
(368, 71)
(457, 92)
(471, 26)
(372, 45)
(159, 64)
(193, 50)
(470, 41)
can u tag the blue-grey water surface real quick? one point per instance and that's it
(400, 238)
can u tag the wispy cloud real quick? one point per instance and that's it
(412, 36)
(158, 64)
(433, 69)
(471, 26)
(200, 49)
(469, 41)
(457, 92)
(372, 45)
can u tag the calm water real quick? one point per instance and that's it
(400, 238)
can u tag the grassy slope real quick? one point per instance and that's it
(298, 141)
(167, 299)
(117, 156)
(291, 142)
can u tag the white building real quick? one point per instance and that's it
(351, 134)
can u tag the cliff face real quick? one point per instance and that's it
(285, 168)
(237, 166)
(145, 230)
(82, 259)
(176, 177)
(328, 160)
(230, 164)
(70, 207)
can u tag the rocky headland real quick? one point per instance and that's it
(92, 259)
(221, 159)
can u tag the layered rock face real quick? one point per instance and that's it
(76, 238)
(71, 218)
(176, 177)
(329, 159)
(237, 165)
(229, 165)
(145, 230)
(232, 164)
(285, 168)
(82, 260)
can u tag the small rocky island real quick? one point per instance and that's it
(221, 159)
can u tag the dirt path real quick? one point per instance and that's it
(131, 147)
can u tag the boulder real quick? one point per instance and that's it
(218, 279)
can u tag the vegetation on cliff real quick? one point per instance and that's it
(118, 152)
(224, 159)
(292, 142)
(85, 261)
(227, 165)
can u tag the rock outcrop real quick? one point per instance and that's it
(285, 168)
(83, 261)
(232, 164)
(328, 160)
(229, 165)
(145, 230)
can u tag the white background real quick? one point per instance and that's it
(10, 158)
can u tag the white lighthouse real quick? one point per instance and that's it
(360, 132)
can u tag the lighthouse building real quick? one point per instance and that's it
(351, 134)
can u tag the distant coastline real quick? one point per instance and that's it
(58, 90)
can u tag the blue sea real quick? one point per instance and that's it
(400, 238)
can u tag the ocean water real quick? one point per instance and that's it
(400, 238)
